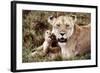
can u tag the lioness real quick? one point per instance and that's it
(72, 38)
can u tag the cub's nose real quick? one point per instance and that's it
(62, 33)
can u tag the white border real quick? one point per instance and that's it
(37, 65)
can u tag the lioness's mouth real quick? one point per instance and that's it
(62, 40)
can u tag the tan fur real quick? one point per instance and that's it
(47, 42)
(43, 49)
(78, 38)
(49, 47)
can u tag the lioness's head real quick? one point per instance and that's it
(62, 27)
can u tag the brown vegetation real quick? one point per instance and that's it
(34, 25)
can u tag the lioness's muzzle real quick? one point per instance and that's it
(62, 40)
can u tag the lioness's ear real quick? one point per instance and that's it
(51, 19)
(74, 17)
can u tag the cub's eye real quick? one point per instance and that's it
(58, 25)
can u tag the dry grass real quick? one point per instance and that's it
(34, 25)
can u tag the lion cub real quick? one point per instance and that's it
(47, 41)
(49, 47)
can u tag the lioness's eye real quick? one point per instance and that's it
(58, 25)
(67, 25)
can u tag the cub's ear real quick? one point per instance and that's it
(51, 19)
(73, 17)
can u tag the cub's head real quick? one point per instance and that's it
(47, 35)
(62, 27)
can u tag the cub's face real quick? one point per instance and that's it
(47, 35)
(62, 27)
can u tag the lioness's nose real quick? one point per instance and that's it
(62, 33)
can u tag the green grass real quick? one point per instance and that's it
(38, 58)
